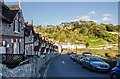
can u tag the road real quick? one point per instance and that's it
(63, 66)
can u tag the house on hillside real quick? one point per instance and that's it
(11, 32)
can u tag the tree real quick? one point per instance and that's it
(87, 45)
(92, 23)
(102, 27)
(84, 31)
(110, 27)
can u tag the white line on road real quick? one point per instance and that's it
(63, 62)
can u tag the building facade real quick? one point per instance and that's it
(11, 31)
(29, 39)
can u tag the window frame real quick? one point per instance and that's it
(17, 24)
(16, 48)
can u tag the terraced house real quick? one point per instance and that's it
(11, 32)
(18, 40)
(29, 39)
(37, 44)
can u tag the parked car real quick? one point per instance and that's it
(115, 73)
(86, 54)
(95, 64)
(74, 57)
(79, 59)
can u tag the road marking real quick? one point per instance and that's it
(63, 62)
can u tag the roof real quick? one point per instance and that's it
(28, 29)
(14, 7)
(8, 14)
(36, 37)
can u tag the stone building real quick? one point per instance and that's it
(11, 32)
(29, 39)
(18, 38)
(37, 44)
(43, 46)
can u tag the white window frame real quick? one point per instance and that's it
(16, 48)
(2, 50)
(16, 26)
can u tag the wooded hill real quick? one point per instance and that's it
(81, 32)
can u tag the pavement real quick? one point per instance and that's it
(63, 67)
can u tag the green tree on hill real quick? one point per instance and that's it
(80, 32)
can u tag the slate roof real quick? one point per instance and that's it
(28, 29)
(8, 14)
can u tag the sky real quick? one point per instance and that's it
(53, 13)
(62, 0)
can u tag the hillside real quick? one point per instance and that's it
(81, 32)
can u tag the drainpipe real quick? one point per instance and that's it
(24, 47)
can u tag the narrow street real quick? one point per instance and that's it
(63, 66)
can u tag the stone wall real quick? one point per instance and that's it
(26, 70)
(7, 29)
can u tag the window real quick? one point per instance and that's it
(16, 48)
(16, 25)
(2, 50)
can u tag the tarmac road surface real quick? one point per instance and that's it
(63, 66)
